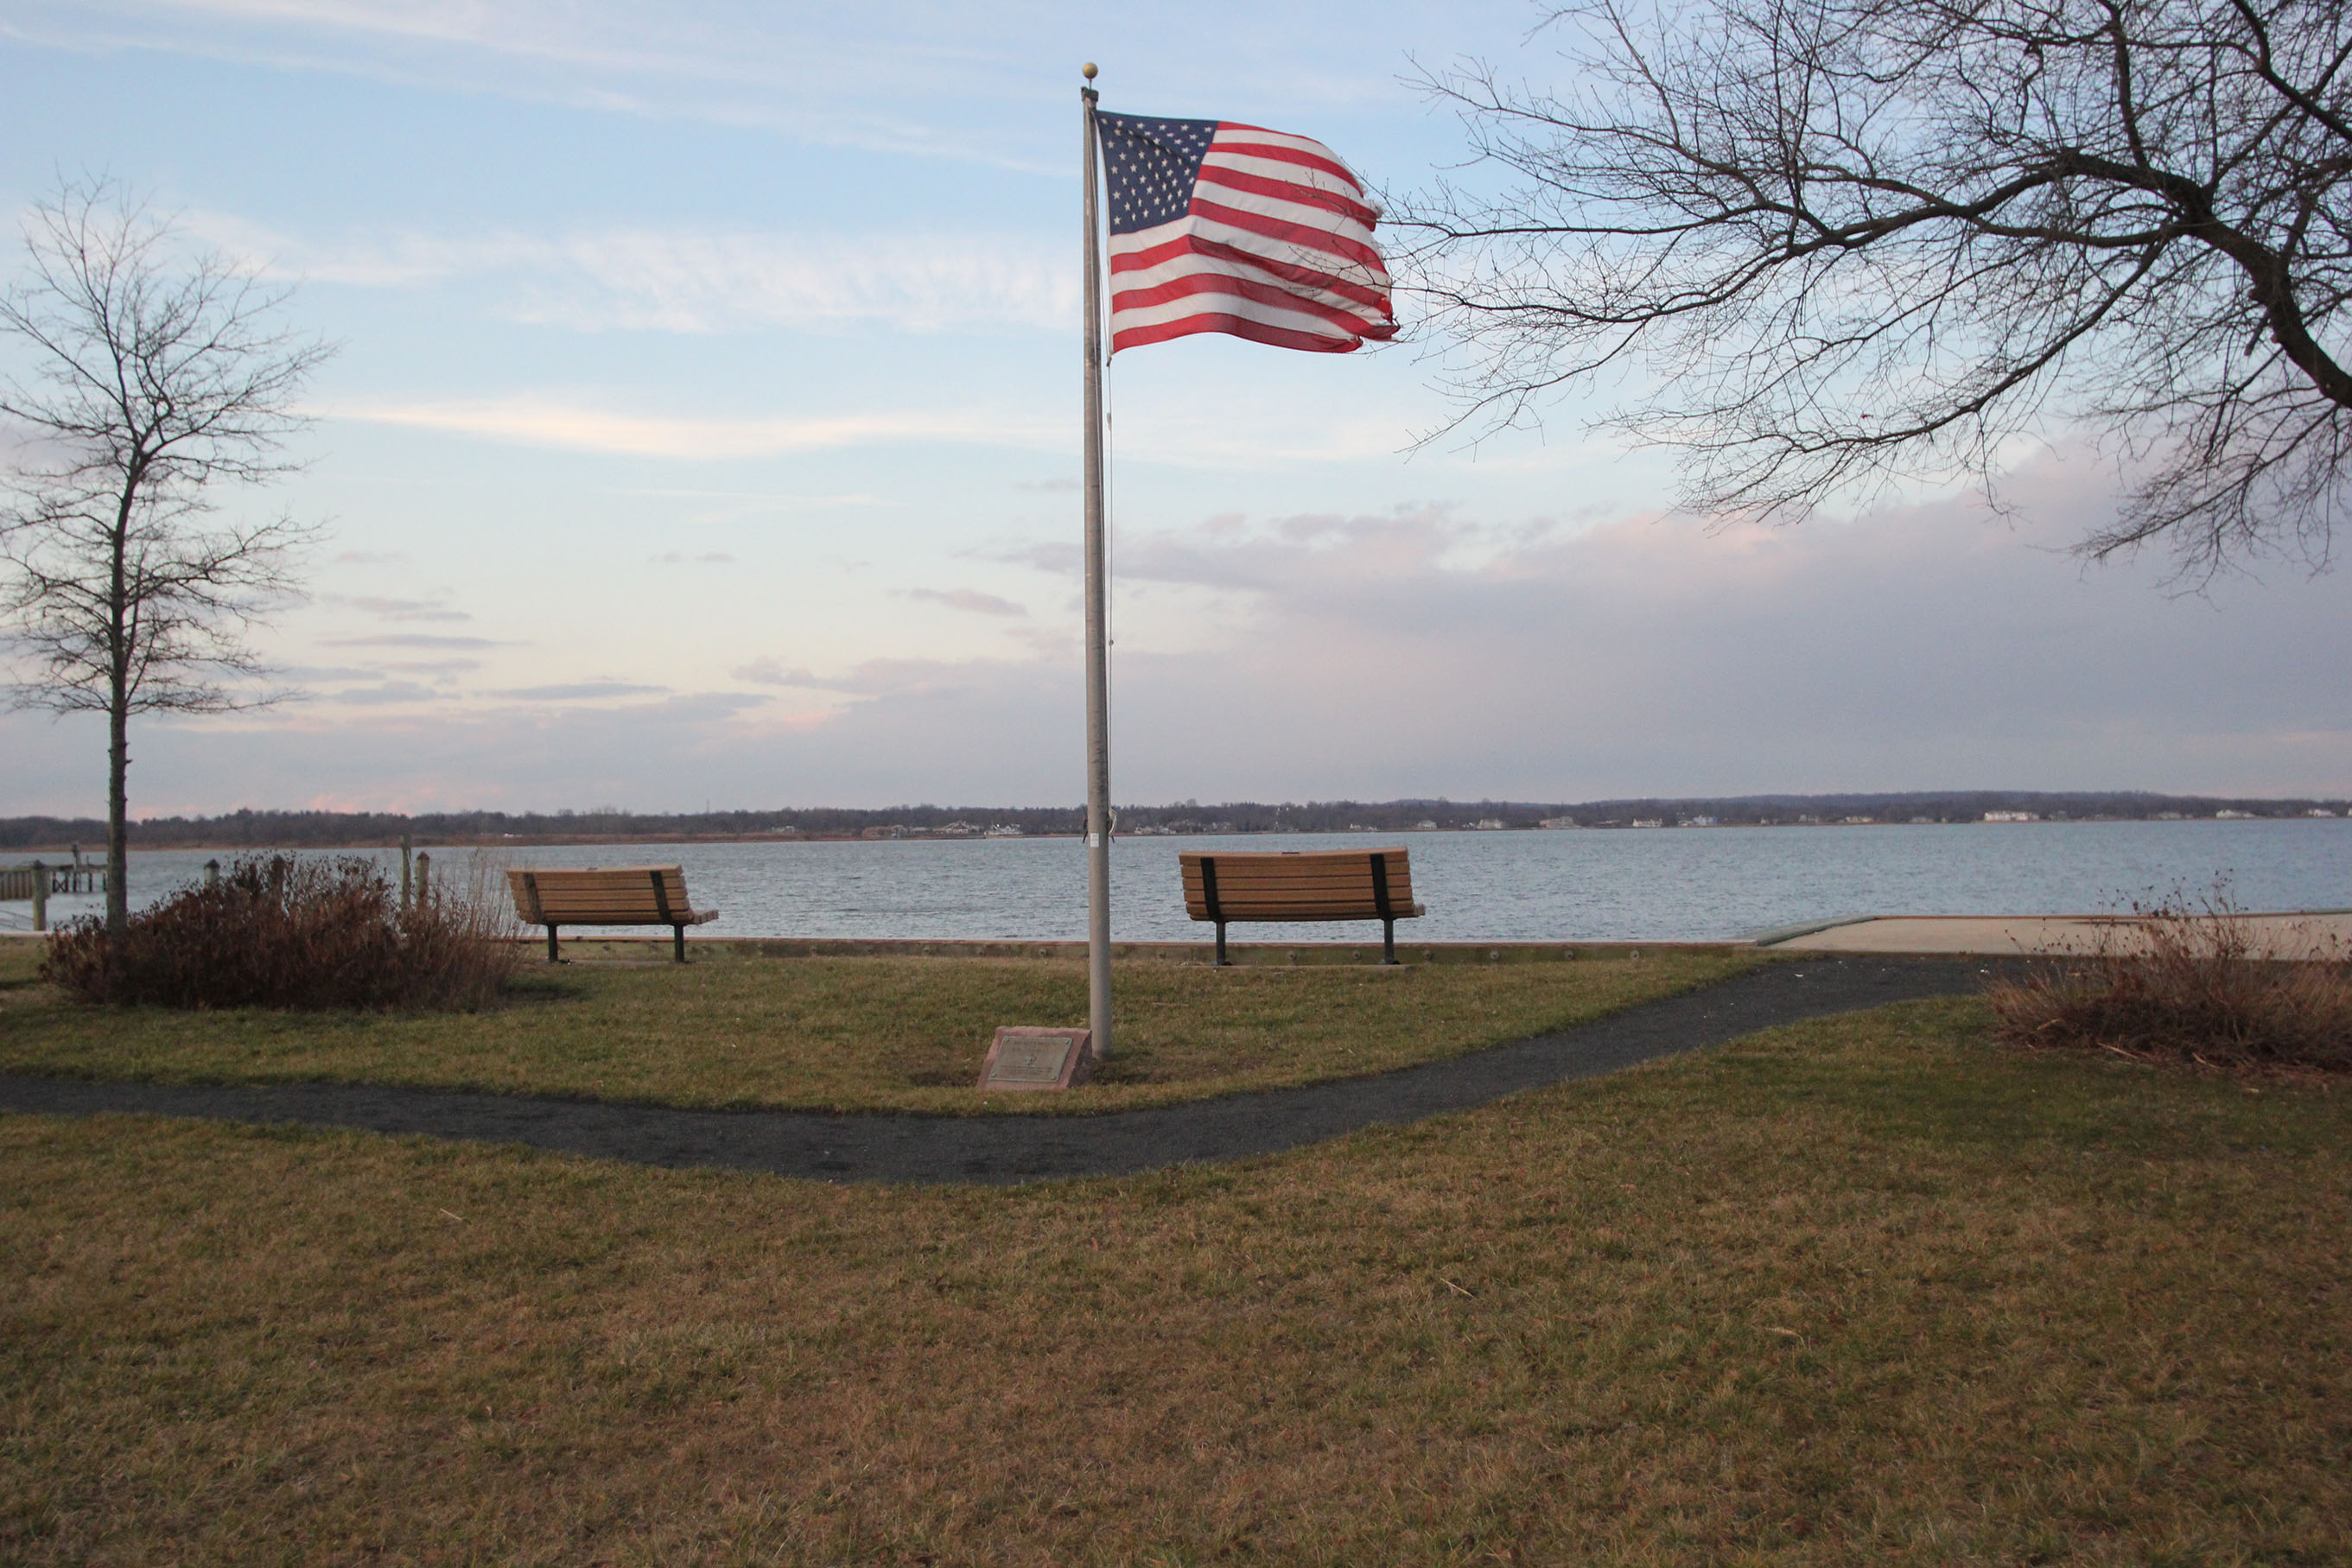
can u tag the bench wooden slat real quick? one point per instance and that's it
(1290, 892)
(1301, 865)
(1289, 865)
(1313, 885)
(605, 896)
(611, 913)
(1370, 883)
(1361, 872)
(1328, 887)
(1310, 913)
(1264, 894)
(1256, 908)
(601, 880)
(639, 894)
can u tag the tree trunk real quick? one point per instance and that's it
(118, 766)
(119, 635)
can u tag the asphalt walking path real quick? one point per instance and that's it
(1017, 1148)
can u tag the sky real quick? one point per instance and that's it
(704, 432)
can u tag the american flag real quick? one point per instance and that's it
(1219, 227)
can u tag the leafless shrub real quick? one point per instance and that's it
(285, 931)
(2188, 983)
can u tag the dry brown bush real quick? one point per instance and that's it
(2188, 983)
(289, 931)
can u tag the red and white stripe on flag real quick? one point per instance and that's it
(1275, 246)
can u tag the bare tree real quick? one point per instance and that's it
(150, 376)
(1840, 243)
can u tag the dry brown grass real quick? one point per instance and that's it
(1859, 1293)
(2187, 984)
(905, 1034)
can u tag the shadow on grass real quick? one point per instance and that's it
(544, 990)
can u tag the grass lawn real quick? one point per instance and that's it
(850, 1034)
(1865, 1290)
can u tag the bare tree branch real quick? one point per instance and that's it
(1855, 242)
(157, 377)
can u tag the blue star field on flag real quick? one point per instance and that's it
(1149, 167)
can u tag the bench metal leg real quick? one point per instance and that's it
(677, 942)
(551, 944)
(1388, 941)
(1221, 962)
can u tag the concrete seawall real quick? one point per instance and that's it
(1243, 954)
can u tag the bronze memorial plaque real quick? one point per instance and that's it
(1038, 1059)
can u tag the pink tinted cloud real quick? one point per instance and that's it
(1418, 652)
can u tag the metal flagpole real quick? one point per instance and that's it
(1097, 654)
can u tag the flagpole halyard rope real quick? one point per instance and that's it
(1110, 564)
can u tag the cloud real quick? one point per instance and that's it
(436, 669)
(391, 691)
(1419, 650)
(579, 691)
(694, 281)
(873, 678)
(1417, 653)
(859, 81)
(740, 506)
(1055, 557)
(413, 640)
(765, 497)
(679, 557)
(441, 670)
(969, 600)
(543, 422)
(768, 672)
(397, 608)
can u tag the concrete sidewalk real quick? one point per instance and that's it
(2316, 933)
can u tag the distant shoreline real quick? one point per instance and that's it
(324, 829)
(95, 852)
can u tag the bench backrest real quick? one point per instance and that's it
(563, 896)
(1303, 884)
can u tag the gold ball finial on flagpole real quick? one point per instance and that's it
(1088, 70)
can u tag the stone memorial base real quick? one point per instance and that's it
(1029, 1058)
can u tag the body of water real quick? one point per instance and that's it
(1640, 885)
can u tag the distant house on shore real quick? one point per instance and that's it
(2013, 816)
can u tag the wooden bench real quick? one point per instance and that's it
(1301, 885)
(614, 896)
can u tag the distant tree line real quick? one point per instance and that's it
(327, 829)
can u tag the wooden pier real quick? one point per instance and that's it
(39, 883)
